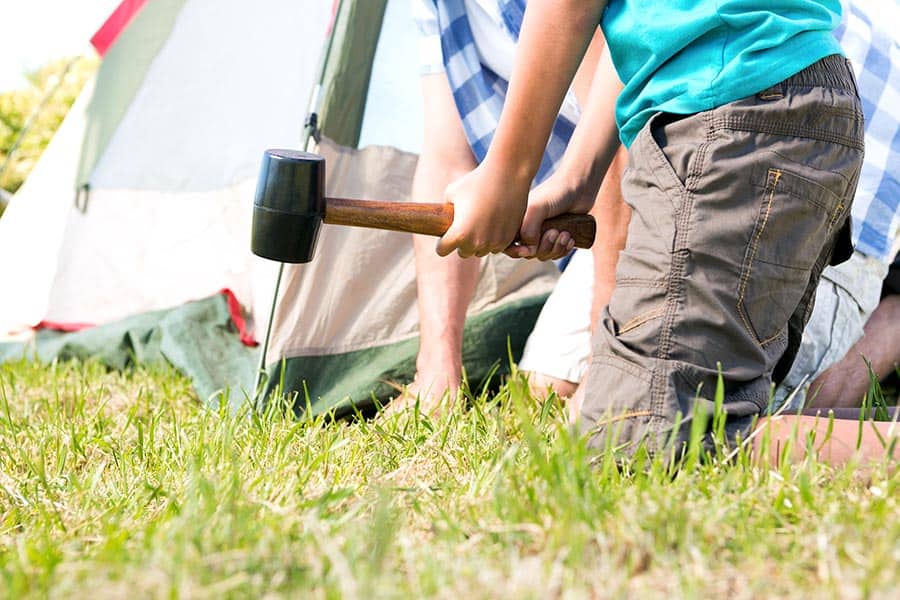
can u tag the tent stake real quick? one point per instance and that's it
(261, 374)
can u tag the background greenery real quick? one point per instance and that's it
(30, 116)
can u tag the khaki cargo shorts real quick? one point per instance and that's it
(736, 211)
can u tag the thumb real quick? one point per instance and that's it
(448, 242)
(444, 246)
(535, 215)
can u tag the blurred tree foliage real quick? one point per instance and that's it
(30, 116)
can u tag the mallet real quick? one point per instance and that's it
(291, 204)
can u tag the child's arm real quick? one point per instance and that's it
(490, 202)
(574, 186)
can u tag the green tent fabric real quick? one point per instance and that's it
(355, 380)
(348, 68)
(198, 338)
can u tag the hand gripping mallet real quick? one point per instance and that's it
(290, 205)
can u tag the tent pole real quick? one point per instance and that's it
(311, 137)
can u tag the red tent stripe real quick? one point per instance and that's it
(237, 317)
(334, 10)
(64, 327)
(234, 310)
(116, 23)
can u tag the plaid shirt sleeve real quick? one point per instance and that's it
(447, 45)
(875, 54)
(424, 13)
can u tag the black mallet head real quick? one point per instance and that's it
(289, 206)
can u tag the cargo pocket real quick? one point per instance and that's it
(795, 217)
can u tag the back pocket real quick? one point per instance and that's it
(795, 217)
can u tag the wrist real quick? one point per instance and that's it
(578, 174)
(516, 174)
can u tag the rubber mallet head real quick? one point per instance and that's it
(291, 205)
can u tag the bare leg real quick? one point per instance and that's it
(541, 385)
(613, 216)
(890, 412)
(844, 384)
(835, 441)
(445, 285)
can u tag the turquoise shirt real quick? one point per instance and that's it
(684, 56)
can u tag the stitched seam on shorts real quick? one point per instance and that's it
(638, 282)
(775, 176)
(642, 318)
(675, 289)
(617, 363)
(786, 129)
(678, 262)
(602, 423)
(838, 212)
(674, 282)
(787, 190)
(812, 190)
(768, 262)
(836, 111)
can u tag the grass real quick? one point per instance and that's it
(115, 485)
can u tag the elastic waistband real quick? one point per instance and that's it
(833, 71)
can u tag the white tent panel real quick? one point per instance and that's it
(33, 226)
(135, 251)
(233, 79)
(168, 216)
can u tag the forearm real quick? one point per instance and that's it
(584, 76)
(596, 139)
(846, 382)
(574, 186)
(552, 42)
(445, 285)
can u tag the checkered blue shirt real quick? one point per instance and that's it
(869, 37)
(446, 44)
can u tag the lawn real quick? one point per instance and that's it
(115, 485)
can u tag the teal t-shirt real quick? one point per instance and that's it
(687, 56)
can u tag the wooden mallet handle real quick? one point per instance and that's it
(434, 219)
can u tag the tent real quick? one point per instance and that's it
(132, 231)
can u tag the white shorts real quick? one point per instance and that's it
(560, 343)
